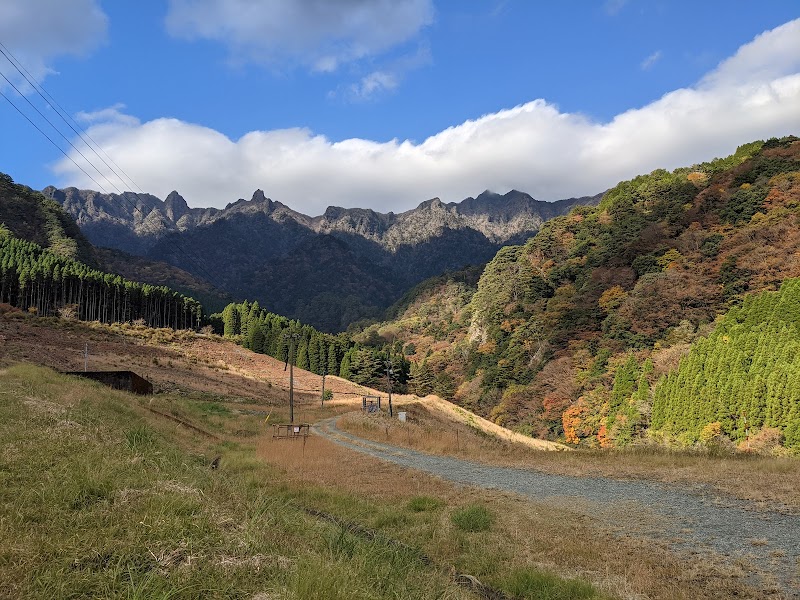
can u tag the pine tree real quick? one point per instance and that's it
(421, 379)
(344, 370)
(302, 355)
(334, 363)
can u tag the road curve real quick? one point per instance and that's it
(693, 521)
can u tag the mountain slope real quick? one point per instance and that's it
(32, 217)
(744, 376)
(567, 334)
(330, 270)
(159, 273)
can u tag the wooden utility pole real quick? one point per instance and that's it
(85, 357)
(324, 372)
(389, 373)
(292, 337)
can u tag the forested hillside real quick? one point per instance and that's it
(31, 216)
(267, 333)
(567, 335)
(159, 273)
(42, 282)
(743, 377)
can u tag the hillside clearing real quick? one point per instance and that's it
(211, 369)
(399, 503)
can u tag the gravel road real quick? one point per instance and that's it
(697, 522)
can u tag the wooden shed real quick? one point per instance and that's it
(127, 381)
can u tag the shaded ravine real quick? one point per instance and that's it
(694, 522)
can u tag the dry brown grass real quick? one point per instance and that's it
(183, 363)
(328, 477)
(525, 532)
(767, 481)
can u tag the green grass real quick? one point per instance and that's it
(538, 585)
(473, 519)
(100, 498)
(98, 502)
(213, 408)
(423, 504)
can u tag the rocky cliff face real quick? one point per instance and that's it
(261, 249)
(129, 221)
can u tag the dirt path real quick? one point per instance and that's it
(696, 523)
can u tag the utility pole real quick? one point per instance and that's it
(292, 337)
(389, 373)
(85, 357)
(324, 372)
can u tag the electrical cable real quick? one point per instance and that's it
(57, 131)
(50, 139)
(9, 56)
(53, 103)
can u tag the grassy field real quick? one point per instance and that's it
(102, 498)
(102, 495)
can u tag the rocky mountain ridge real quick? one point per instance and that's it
(500, 218)
(342, 266)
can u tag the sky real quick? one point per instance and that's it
(384, 104)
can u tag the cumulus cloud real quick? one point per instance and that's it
(38, 31)
(532, 147)
(320, 34)
(770, 55)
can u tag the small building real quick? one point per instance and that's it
(127, 381)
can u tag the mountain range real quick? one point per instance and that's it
(343, 266)
(666, 314)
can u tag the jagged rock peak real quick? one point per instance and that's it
(175, 199)
(334, 212)
(258, 196)
(432, 203)
(175, 206)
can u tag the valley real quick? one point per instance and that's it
(329, 271)
(571, 386)
(227, 391)
(264, 337)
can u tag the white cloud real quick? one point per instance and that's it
(651, 60)
(321, 34)
(374, 83)
(770, 55)
(384, 80)
(108, 116)
(38, 31)
(533, 147)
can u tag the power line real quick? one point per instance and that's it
(18, 66)
(33, 106)
(50, 140)
(61, 112)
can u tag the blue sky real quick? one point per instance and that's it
(384, 104)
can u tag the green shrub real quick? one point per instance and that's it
(532, 583)
(473, 518)
(423, 504)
